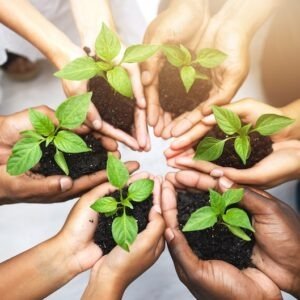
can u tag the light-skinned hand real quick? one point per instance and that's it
(36, 188)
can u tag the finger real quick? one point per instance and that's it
(153, 106)
(191, 137)
(196, 180)
(141, 127)
(151, 68)
(108, 143)
(171, 177)
(170, 153)
(169, 205)
(159, 125)
(199, 165)
(93, 119)
(292, 144)
(160, 247)
(168, 129)
(157, 193)
(188, 122)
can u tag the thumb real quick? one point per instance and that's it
(150, 69)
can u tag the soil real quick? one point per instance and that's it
(261, 147)
(113, 107)
(79, 163)
(103, 235)
(172, 95)
(216, 243)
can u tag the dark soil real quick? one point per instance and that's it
(261, 147)
(114, 108)
(172, 95)
(216, 243)
(79, 164)
(103, 235)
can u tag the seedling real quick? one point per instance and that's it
(181, 58)
(108, 47)
(124, 227)
(210, 148)
(27, 152)
(235, 219)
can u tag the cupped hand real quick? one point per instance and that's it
(282, 165)
(226, 79)
(172, 26)
(211, 279)
(35, 188)
(116, 270)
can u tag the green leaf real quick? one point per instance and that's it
(104, 66)
(227, 120)
(245, 130)
(269, 124)
(216, 202)
(127, 203)
(119, 79)
(32, 134)
(202, 218)
(107, 44)
(174, 54)
(209, 149)
(201, 76)
(237, 231)
(187, 55)
(140, 190)
(232, 196)
(117, 172)
(139, 53)
(237, 217)
(69, 142)
(188, 76)
(49, 140)
(105, 205)
(124, 231)
(72, 112)
(242, 147)
(25, 154)
(41, 123)
(82, 68)
(61, 162)
(210, 58)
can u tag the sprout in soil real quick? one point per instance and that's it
(105, 64)
(210, 148)
(235, 219)
(124, 227)
(27, 152)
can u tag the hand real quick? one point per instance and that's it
(226, 79)
(115, 271)
(267, 173)
(212, 279)
(35, 188)
(172, 26)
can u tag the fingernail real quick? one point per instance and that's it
(157, 208)
(65, 184)
(97, 124)
(169, 235)
(216, 173)
(225, 182)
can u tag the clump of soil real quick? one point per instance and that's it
(172, 95)
(79, 163)
(113, 107)
(261, 146)
(216, 242)
(103, 234)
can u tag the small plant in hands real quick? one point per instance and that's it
(238, 145)
(215, 227)
(48, 147)
(185, 81)
(119, 210)
(109, 80)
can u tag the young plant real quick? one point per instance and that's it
(108, 47)
(181, 58)
(27, 152)
(210, 148)
(124, 227)
(235, 219)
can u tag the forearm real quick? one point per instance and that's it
(247, 15)
(36, 273)
(24, 19)
(292, 111)
(89, 18)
